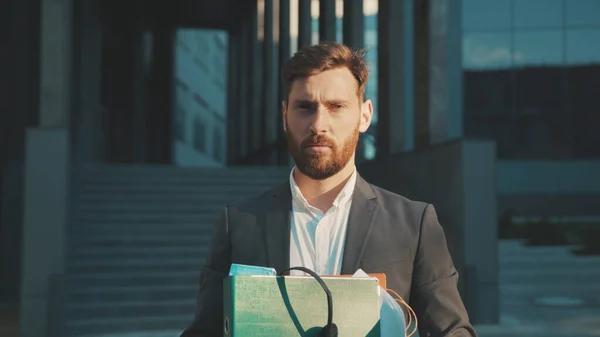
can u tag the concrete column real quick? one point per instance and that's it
(421, 70)
(160, 114)
(327, 25)
(395, 126)
(245, 71)
(117, 85)
(233, 83)
(284, 54)
(353, 24)
(141, 99)
(304, 23)
(445, 72)
(19, 104)
(269, 88)
(47, 172)
(56, 60)
(255, 81)
(87, 120)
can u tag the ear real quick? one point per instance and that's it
(284, 112)
(366, 114)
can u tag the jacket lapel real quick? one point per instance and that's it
(277, 228)
(360, 223)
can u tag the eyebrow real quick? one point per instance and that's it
(308, 102)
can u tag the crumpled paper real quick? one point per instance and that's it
(392, 322)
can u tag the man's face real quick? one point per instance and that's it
(322, 120)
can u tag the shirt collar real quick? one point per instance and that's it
(342, 198)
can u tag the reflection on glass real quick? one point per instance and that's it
(484, 15)
(537, 13)
(538, 47)
(488, 90)
(583, 57)
(539, 94)
(487, 51)
(583, 46)
(584, 13)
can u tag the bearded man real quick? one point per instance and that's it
(326, 217)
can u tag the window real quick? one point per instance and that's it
(486, 15)
(582, 13)
(487, 51)
(583, 101)
(199, 135)
(218, 151)
(531, 73)
(179, 125)
(537, 13)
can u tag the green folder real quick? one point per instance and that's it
(289, 306)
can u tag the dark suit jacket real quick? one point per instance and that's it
(386, 233)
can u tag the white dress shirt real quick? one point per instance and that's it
(317, 238)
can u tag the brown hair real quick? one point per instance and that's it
(313, 60)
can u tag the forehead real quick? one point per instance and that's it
(336, 83)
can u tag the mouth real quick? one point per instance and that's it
(316, 146)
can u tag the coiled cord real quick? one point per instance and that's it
(410, 314)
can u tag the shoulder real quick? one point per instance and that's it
(396, 206)
(262, 200)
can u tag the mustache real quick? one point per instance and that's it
(319, 140)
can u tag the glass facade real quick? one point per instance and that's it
(200, 97)
(531, 76)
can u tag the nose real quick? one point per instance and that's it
(320, 123)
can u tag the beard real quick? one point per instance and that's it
(319, 165)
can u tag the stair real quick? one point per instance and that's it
(138, 238)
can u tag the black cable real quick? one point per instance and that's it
(330, 330)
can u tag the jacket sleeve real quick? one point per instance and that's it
(208, 319)
(434, 291)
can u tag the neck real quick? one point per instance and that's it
(322, 193)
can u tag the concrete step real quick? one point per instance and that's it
(180, 189)
(140, 240)
(98, 325)
(154, 294)
(136, 265)
(154, 207)
(176, 179)
(196, 198)
(133, 278)
(142, 218)
(124, 310)
(98, 169)
(95, 254)
(168, 229)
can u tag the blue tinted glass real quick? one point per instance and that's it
(484, 15)
(538, 13)
(583, 13)
(487, 51)
(583, 46)
(538, 47)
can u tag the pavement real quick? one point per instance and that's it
(545, 291)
